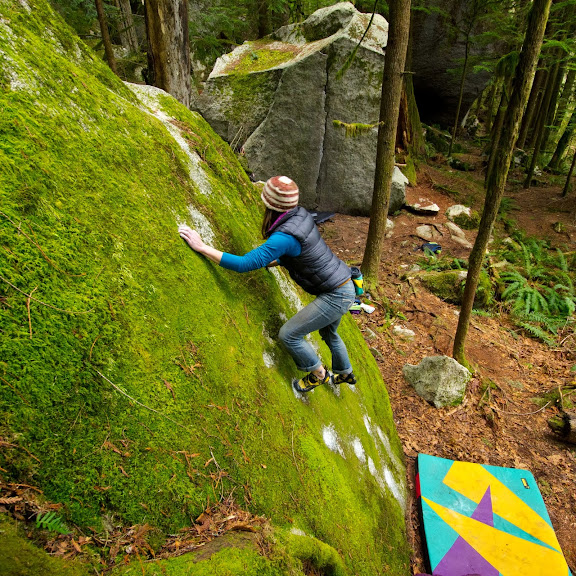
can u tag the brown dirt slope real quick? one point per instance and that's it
(503, 420)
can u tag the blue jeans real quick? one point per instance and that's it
(323, 314)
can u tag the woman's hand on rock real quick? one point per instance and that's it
(191, 237)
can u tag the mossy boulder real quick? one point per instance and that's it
(449, 286)
(468, 222)
(139, 382)
(20, 557)
(276, 100)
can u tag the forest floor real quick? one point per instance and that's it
(518, 381)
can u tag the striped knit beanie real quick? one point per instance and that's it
(280, 193)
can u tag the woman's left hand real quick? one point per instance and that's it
(191, 237)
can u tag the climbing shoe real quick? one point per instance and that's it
(344, 379)
(309, 382)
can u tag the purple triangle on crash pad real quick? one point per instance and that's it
(462, 559)
(483, 512)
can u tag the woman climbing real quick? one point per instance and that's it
(293, 241)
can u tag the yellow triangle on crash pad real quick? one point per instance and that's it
(510, 555)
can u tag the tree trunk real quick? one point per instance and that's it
(565, 96)
(567, 91)
(491, 101)
(263, 18)
(497, 129)
(127, 30)
(565, 426)
(462, 80)
(168, 47)
(551, 115)
(109, 53)
(495, 187)
(569, 177)
(531, 107)
(555, 161)
(541, 127)
(416, 141)
(389, 106)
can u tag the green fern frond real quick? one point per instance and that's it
(537, 332)
(52, 522)
(561, 261)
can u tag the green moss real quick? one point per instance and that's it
(249, 91)
(231, 559)
(262, 57)
(320, 556)
(468, 222)
(133, 386)
(449, 286)
(19, 557)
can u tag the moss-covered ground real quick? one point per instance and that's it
(139, 382)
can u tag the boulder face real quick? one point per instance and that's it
(277, 99)
(144, 382)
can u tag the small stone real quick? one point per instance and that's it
(377, 354)
(370, 334)
(455, 230)
(424, 207)
(462, 242)
(404, 333)
(456, 210)
(428, 233)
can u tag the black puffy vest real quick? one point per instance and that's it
(317, 269)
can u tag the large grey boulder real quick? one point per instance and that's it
(440, 380)
(276, 100)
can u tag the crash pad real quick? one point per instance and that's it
(485, 520)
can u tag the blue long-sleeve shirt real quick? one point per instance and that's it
(278, 244)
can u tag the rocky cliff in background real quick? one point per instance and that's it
(277, 99)
(438, 51)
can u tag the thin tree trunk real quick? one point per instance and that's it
(568, 178)
(531, 107)
(497, 129)
(109, 53)
(555, 161)
(168, 47)
(541, 127)
(263, 18)
(551, 115)
(389, 107)
(491, 101)
(495, 188)
(566, 95)
(127, 30)
(462, 80)
(416, 141)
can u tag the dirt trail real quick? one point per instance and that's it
(499, 424)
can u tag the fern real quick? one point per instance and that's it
(537, 332)
(52, 522)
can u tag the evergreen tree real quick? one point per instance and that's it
(398, 34)
(168, 47)
(495, 187)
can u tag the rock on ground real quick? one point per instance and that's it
(440, 380)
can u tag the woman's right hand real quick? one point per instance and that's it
(191, 237)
